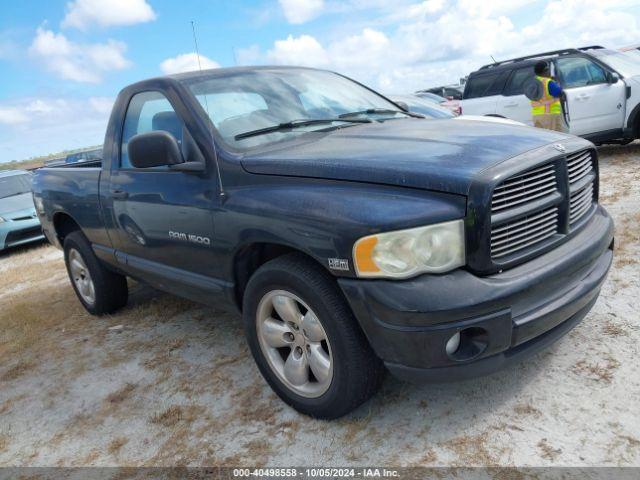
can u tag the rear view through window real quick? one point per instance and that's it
(485, 84)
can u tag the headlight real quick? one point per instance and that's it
(405, 253)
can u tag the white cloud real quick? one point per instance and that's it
(187, 62)
(82, 14)
(427, 43)
(39, 126)
(101, 105)
(302, 50)
(12, 116)
(75, 61)
(301, 11)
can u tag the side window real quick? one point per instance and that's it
(453, 93)
(147, 112)
(515, 86)
(485, 84)
(579, 72)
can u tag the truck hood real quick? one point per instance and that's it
(442, 155)
(16, 203)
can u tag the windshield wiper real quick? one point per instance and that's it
(298, 123)
(372, 111)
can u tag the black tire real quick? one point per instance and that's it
(110, 288)
(357, 373)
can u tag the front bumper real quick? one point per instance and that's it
(20, 228)
(503, 318)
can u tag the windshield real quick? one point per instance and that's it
(248, 101)
(15, 185)
(627, 63)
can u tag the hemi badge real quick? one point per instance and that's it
(339, 264)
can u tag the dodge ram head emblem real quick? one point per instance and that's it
(561, 148)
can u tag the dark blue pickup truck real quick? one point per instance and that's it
(353, 236)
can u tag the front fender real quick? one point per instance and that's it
(324, 219)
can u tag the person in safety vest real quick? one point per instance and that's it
(547, 110)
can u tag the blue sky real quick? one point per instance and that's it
(63, 62)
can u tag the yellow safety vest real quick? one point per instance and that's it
(548, 103)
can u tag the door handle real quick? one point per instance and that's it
(119, 194)
(513, 104)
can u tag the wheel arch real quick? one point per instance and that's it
(634, 121)
(250, 257)
(63, 225)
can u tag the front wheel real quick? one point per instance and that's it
(306, 341)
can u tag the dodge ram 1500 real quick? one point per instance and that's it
(355, 237)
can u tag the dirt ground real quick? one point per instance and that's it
(176, 385)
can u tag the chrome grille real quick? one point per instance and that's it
(579, 165)
(524, 187)
(524, 232)
(580, 202)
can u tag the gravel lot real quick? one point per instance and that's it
(176, 385)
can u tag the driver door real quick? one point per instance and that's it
(595, 105)
(163, 218)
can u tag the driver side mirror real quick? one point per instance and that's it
(613, 77)
(154, 149)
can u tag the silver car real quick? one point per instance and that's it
(19, 222)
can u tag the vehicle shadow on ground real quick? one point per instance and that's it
(445, 409)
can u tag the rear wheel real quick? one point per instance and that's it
(99, 290)
(305, 340)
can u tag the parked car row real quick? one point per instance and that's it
(19, 223)
(418, 104)
(78, 157)
(601, 91)
(450, 104)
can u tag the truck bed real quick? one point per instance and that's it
(71, 191)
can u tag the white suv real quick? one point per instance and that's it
(602, 90)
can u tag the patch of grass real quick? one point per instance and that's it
(548, 451)
(600, 372)
(472, 450)
(612, 330)
(526, 409)
(121, 394)
(16, 371)
(116, 445)
(169, 417)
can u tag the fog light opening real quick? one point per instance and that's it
(453, 344)
(467, 344)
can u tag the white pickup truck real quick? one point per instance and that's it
(602, 91)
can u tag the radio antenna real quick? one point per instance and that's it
(206, 106)
(195, 41)
(494, 60)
